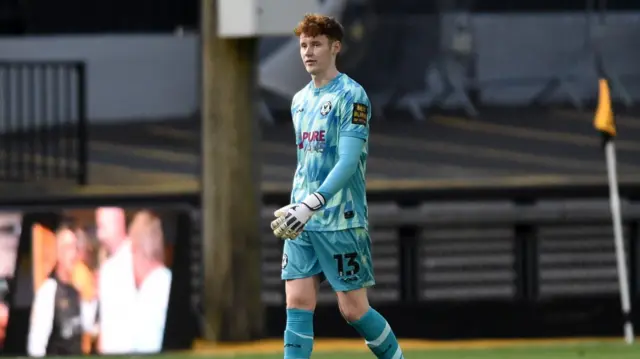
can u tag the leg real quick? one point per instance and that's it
(370, 324)
(345, 259)
(300, 270)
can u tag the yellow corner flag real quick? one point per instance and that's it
(604, 121)
(605, 124)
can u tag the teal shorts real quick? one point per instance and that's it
(343, 258)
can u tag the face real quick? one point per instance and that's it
(110, 226)
(9, 240)
(84, 250)
(8, 254)
(4, 315)
(67, 250)
(318, 53)
(135, 233)
(4, 320)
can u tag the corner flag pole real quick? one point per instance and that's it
(605, 124)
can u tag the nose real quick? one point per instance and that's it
(308, 52)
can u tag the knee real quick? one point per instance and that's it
(353, 313)
(301, 301)
(301, 295)
(353, 307)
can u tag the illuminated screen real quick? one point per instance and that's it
(10, 224)
(101, 282)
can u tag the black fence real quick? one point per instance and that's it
(472, 270)
(43, 126)
(521, 261)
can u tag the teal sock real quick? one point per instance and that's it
(378, 335)
(298, 335)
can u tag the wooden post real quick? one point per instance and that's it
(230, 193)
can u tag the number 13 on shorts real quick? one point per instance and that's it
(351, 261)
(343, 258)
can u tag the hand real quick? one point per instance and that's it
(280, 213)
(290, 225)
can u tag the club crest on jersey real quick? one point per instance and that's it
(326, 108)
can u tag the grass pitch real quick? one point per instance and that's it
(336, 349)
(556, 349)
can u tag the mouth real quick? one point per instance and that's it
(310, 62)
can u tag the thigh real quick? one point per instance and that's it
(299, 259)
(345, 258)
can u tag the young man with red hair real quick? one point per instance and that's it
(326, 226)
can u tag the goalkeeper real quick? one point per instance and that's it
(326, 226)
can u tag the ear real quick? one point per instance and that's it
(336, 46)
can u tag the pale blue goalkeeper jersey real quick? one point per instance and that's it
(321, 116)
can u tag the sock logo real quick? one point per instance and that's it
(290, 345)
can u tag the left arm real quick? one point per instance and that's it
(349, 150)
(156, 301)
(41, 322)
(353, 116)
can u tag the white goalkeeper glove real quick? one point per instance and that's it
(280, 213)
(290, 220)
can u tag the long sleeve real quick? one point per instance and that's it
(354, 115)
(41, 323)
(116, 297)
(88, 311)
(349, 151)
(151, 313)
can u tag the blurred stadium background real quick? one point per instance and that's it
(488, 187)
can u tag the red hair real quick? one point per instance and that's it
(316, 25)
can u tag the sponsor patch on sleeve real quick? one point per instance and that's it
(360, 112)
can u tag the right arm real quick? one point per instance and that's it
(103, 325)
(42, 313)
(88, 311)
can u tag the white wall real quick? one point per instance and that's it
(129, 76)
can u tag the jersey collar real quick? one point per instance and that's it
(328, 87)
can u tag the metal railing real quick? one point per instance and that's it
(43, 123)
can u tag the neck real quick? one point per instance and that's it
(145, 271)
(321, 80)
(116, 247)
(63, 275)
